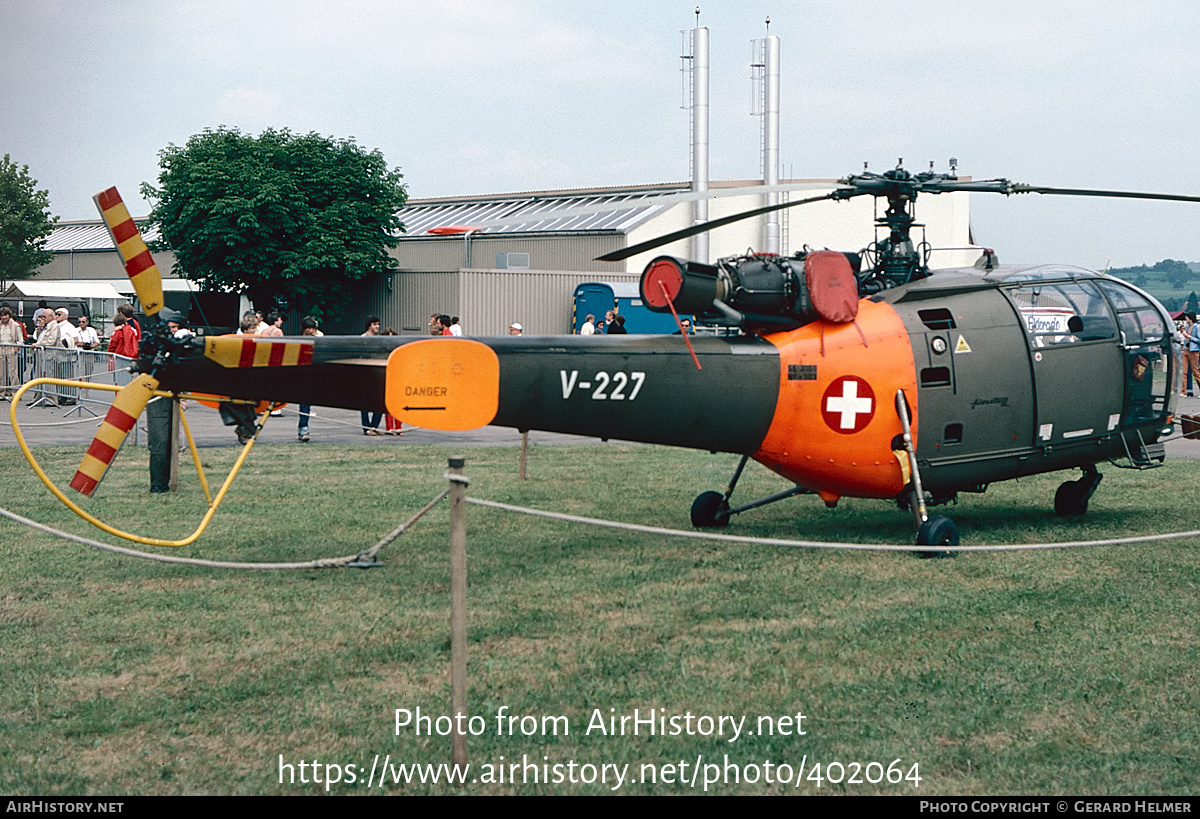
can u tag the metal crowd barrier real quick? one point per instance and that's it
(20, 363)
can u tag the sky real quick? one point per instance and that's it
(497, 96)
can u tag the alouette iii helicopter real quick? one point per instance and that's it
(850, 374)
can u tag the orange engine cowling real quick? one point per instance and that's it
(835, 424)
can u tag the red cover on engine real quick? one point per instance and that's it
(831, 286)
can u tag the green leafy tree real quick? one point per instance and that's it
(1177, 273)
(280, 217)
(25, 222)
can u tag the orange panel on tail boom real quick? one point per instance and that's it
(836, 419)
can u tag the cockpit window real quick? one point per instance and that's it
(1063, 313)
(1140, 320)
(1047, 271)
(1122, 297)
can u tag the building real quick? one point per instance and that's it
(86, 266)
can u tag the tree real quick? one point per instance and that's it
(1178, 273)
(25, 222)
(279, 217)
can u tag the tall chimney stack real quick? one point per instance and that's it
(767, 62)
(698, 103)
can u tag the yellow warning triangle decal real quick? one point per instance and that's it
(962, 346)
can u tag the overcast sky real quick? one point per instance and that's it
(492, 96)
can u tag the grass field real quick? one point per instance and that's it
(1049, 672)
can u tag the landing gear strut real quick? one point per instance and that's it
(711, 510)
(931, 531)
(1071, 499)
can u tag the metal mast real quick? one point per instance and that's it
(697, 73)
(765, 103)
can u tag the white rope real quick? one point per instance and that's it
(97, 420)
(320, 563)
(814, 544)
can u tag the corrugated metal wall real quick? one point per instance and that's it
(551, 252)
(403, 301)
(540, 300)
(90, 264)
(415, 295)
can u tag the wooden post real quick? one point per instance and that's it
(458, 611)
(524, 447)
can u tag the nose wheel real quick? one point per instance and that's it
(937, 531)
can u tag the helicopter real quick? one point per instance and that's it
(851, 374)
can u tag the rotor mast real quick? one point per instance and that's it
(897, 259)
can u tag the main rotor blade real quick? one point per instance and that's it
(139, 264)
(122, 415)
(1008, 188)
(666, 239)
(1170, 197)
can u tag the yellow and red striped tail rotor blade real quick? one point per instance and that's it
(122, 415)
(139, 264)
(250, 351)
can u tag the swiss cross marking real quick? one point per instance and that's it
(848, 404)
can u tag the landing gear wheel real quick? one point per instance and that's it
(710, 510)
(937, 531)
(1071, 500)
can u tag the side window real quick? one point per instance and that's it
(1063, 313)
(1140, 321)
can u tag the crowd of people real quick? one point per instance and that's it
(54, 332)
(613, 324)
(52, 327)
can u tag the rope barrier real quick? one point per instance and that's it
(369, 554)
(815, 544)
(97, 421)
(320, 563)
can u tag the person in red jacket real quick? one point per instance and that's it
(123, 340)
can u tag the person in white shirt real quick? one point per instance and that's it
(61, 333)
(455, 327)
(589, 326)
(88, 338)
(68, 335)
